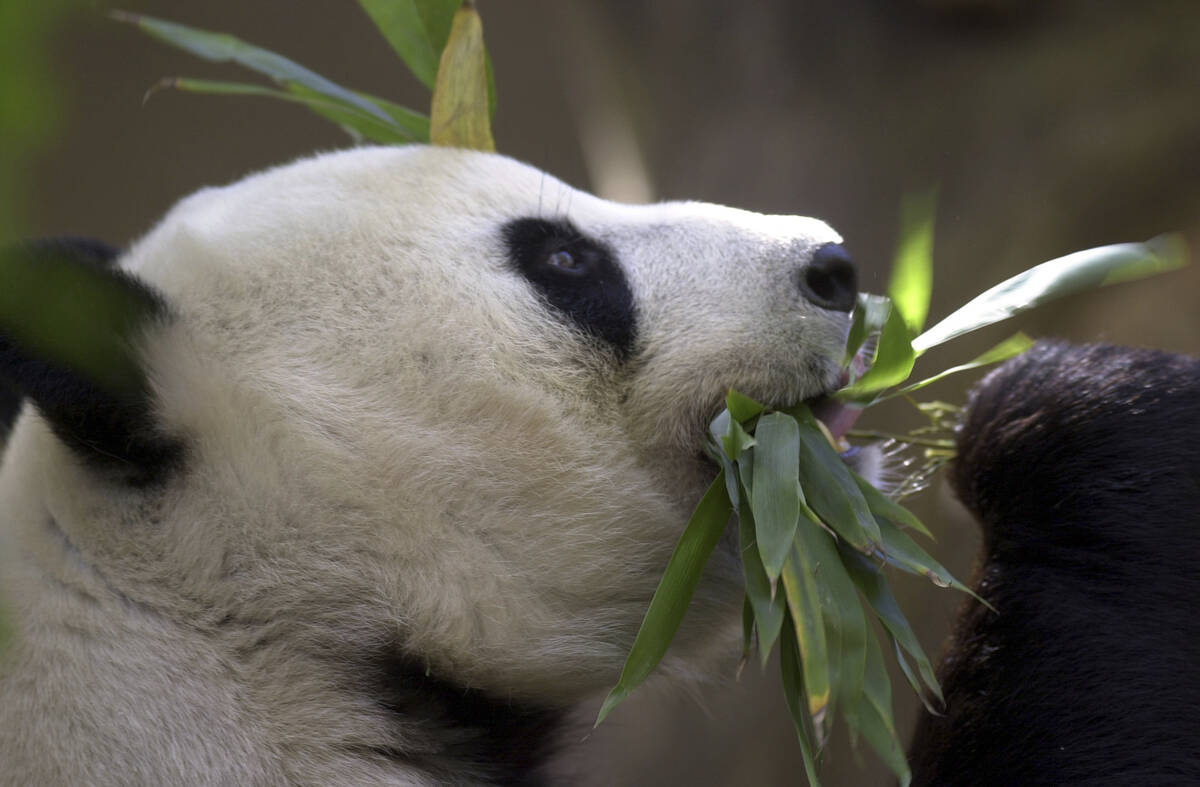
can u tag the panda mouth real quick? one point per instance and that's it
(838, 417)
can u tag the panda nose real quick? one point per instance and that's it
(829, 280)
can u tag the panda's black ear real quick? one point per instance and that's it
(69, 326)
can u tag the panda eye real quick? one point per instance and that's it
(566, 262)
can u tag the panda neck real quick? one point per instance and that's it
(465, 730)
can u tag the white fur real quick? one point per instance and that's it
(391, 441)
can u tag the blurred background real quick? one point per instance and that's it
(1047, 125)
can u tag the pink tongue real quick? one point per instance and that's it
(837, 417)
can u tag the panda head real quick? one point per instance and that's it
(429, 402)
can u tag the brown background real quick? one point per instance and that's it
(1048, 126)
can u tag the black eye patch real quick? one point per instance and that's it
(576, 275)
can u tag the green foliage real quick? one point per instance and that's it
(809, 523)
(29, 104)
(441, 42)
(74, 313)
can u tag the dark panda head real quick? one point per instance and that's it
(1075, 447)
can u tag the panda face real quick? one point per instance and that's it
(436, 401)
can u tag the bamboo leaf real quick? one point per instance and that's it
(872, 715)
(1055, 279)
(774, 494)
(406, 30)
(868, 319)
(871, 584)
(902, 552)
(410, 121)
(793, 690)
(911, 282)
(675, 590)
(800, 587)
(224, 48)
(741, 407)
(355, 121)
(736, 440)
(883, 507)
(460, 116)
(830, 489)
(59, 308)
(893, 363)
(845, 626)
(1010, 347)
(769, 607)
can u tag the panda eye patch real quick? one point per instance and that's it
(575, 275)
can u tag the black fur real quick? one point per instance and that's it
(496, 741)
(66, 329)
(591, 290)
(1083, 466)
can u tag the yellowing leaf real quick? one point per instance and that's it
(459, 116)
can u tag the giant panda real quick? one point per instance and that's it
(392, 450)
(1083, 466)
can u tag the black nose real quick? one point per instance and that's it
(829, 280)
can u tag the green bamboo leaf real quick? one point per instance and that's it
(793, 691)
(356, 122)
(774, 494)
(873, 587)
(460, 115)
(769, 607)
(741, 407)
(674, 592)
(830, 489)
(410, 121)
(872, 715)
(804, 604)
(902, 552)
(893, 362)
(883, 507)
(1055, 279)
(1010, 347)
(736, 440)
(845, 626)
(405, 28)
(224, 48)
(911, 283)
(56, 307)
(868, 319)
